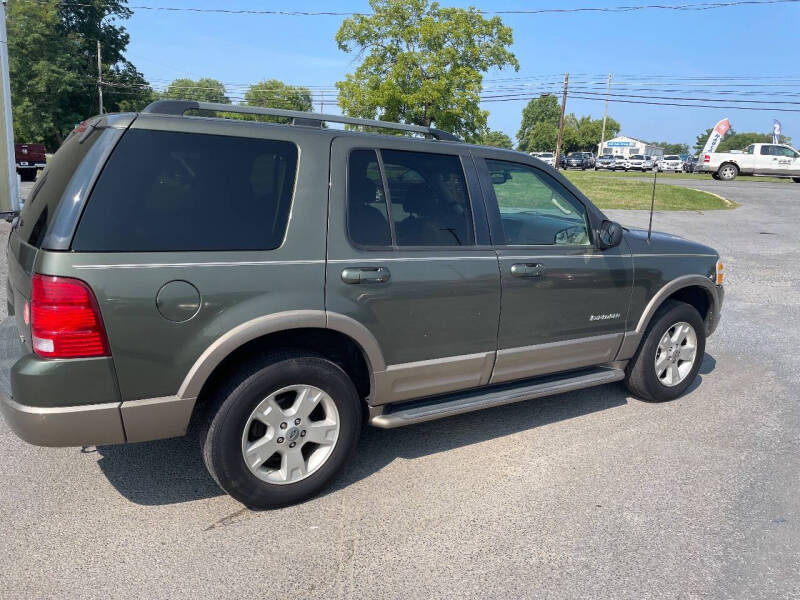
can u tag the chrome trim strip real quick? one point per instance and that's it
(200, 264)
(493, 398)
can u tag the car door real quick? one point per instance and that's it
(564, 302)
(410, 259)
(787, 161)
(766, 160)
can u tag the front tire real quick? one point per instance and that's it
(669, 357)
(281, 430)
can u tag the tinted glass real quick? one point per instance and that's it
(44, 198)
(672, 158)
(367, 222)
(535, 209)
(767, 149)
(165, 191)
(428, 199)
(782, 151)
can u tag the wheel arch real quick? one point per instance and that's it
(695, 290)
(291, 329)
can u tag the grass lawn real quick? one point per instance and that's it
(697, 176)
(616, 192)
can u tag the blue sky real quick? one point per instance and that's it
(639, 48)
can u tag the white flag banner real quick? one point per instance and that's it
(719, 131)
(776, 132)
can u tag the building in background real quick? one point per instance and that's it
(625, 146)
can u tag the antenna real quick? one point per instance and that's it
(652, 205)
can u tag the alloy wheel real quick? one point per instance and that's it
(676, 354)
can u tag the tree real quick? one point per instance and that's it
(539, 128)
(543, 110)
(670, 148)
(498, 139)
(740, 141)
(204, 89)
(53, 69)
(272, 93)
(422, 64)
(703, 138)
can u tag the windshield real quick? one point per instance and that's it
(546, 155)
(672, 158)
(575, 155)
(606, 157)
(637, 157)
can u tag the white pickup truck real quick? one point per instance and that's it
(775, 160)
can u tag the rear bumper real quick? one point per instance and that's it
(76, 425)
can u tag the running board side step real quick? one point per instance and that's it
(420, 411)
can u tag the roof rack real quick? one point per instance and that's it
(307, 119)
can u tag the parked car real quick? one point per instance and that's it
(649, 163)
(29, 158)
(577, 160)
(606, 161)
(637, 162)
(562, 161)
(775, 160)
(620, 163)
(590, 159)
(409, 284)
(690, 164)
(547, 158)
(671, 162)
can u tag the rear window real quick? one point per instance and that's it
(167, 191)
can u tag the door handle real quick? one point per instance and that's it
(366, 275)
(527, 270)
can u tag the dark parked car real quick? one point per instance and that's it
(577, 160)
(353, 277)
(29, 158)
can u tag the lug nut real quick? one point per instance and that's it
(297, 421)
(303, 433)
(293, 444)
(280, 440)
(283, 425)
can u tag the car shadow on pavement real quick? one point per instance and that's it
(172, 471)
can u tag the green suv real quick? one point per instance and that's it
(279, 284)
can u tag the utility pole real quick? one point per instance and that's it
(322, 101)
(9, 182)
(561, 122)
(605, 116)
(99, 78)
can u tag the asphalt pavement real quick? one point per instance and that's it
(591, 494)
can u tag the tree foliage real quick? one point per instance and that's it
(740, 141)
(498, 139)
(422, 63)
(52, 49)
(273, 93)
(204, 89)
(538, 130)
(670, 148)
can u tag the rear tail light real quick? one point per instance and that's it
(706, 158)
(65, 319)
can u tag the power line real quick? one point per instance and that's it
(699, 6)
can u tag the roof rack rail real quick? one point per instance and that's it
(308, 119)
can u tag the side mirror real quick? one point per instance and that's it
(609, 235)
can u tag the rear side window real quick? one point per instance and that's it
(167, 191)
(45, 195)
(424, 201)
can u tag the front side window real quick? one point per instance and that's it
(167, 191)
(784, 151)
(750, 149)
(535, 210)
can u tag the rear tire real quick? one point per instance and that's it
(669, 357)
(279, 431)
(796, 179)
(728, 172)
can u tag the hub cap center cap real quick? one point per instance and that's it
(292, 434)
